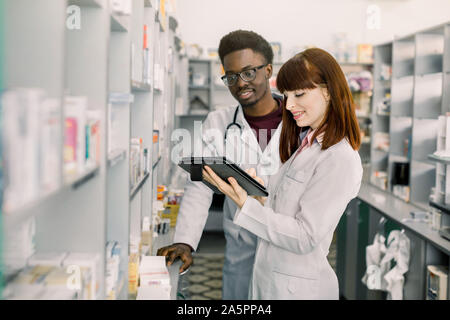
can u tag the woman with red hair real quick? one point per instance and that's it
(320, 174)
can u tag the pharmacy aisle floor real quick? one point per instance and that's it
(203, 281)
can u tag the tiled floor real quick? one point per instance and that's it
(204, 279)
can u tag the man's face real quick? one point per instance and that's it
(247, 93)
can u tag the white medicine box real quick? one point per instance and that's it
(437, 282)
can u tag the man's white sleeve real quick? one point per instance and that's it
(195, 205)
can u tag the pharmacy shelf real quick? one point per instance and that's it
(90, 209)
(163, 240)
(116, 156)
(140, 86)
(119, 23)
(220, 87)
(138, 187)
(441, 206)
(365, 64)
(13, 218)
(203, 115)
(435, 158)
(384, 81)
(363, 116)
(88, 3)
(199, 88)
(156, 163)
(78, 180)
(399, 211)
(121, 287)
(416, 91)
(445, 233)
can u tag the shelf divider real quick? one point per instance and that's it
(441, 206)
(435, 158)
(119, 23)
(116, 156)
(156, 163)
(135, 190)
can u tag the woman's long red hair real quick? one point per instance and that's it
(307, 70)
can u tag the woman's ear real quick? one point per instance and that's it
(326, 94)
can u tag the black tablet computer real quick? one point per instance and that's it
(224, 168)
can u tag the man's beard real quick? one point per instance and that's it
(251, 104)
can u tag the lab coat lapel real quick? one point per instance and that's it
(274, 143)
(248, 137)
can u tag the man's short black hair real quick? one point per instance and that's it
(242, 39)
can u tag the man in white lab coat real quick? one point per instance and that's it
(249, 135)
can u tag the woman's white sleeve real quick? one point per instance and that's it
(320, 207)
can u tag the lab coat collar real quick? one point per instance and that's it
(249, 137)
(306, 131)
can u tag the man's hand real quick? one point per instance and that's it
(177, 250)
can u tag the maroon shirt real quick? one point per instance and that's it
(266, 125)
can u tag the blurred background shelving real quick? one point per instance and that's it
(129, 75)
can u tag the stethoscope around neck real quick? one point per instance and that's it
(234, 123)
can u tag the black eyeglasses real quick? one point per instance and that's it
(246, 75)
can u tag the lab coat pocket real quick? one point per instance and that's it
(291, 189)
(294, 287)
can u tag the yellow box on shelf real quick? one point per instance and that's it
(133, 273)
(171, 212)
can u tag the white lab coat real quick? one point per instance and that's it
(240, 243)
(295, 228)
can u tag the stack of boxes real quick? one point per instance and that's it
(113, 275)
(441, 192)
(172, 206)
(154, 279)
(82, 136)
(32, 138)
(139, 161)
(61, 276)
(19, 247)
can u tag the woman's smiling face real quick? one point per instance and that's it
(308, 106)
